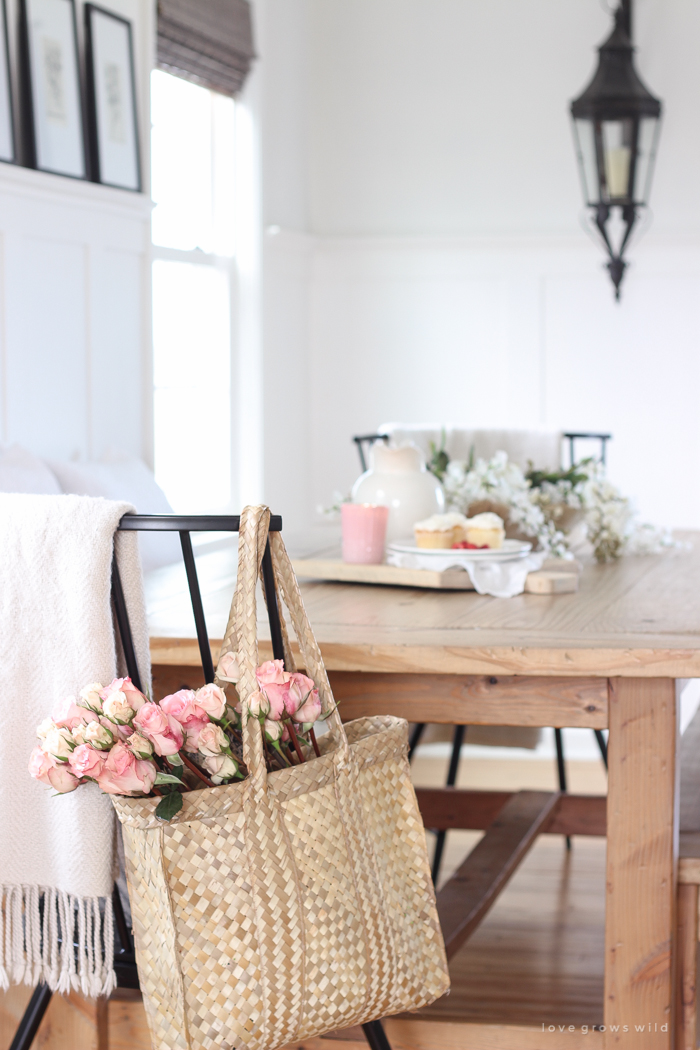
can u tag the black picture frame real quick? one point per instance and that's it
(112, 107)
(8, 131)
(52, 95)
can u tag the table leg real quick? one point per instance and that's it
(642, 862)
(687, 969)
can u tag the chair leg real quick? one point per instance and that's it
(415, 739)
(603, 745)
(561, 769)
(457, 742)
(376, 1036)
(32, 1018)
(125, 939)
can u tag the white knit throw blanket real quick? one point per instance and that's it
(57, 853)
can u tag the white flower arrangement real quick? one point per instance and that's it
(540, 504)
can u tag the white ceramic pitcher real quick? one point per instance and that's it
(398, 479)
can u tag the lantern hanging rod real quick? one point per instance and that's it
(626, 8)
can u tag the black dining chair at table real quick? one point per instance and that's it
(363, 443)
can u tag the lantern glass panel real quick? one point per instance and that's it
(649, 128)
(588, 163)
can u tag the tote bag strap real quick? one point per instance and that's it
(241, 633)
(271, 866)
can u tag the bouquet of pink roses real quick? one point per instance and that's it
(128, 745)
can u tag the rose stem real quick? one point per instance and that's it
(295, 741)
(290, 755)
(313, 741)
(280, 752)
(195, 769)
(155, 791)
(269, 761)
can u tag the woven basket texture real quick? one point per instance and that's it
(293, 903)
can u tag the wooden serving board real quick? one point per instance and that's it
(546, 581)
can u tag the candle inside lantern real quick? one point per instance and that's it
(617, 170)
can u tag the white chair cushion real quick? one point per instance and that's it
(22, 471)
(540, 447)
(131, 480)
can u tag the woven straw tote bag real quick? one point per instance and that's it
(293, 903)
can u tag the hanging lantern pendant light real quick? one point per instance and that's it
(616, 128)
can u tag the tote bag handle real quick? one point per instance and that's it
(241, 635)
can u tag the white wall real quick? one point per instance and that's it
(448, 274)
(75, 375)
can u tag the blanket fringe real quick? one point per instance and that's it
(51, 936)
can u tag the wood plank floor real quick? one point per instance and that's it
(538, 956)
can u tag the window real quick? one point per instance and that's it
(193, 277)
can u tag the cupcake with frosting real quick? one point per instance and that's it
(485, 530)
(440, 531)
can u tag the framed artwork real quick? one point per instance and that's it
(53, 100)
(8, 148)
(113, 132)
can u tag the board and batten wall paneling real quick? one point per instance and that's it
(76, 310)
(117, 359)
(633, 369)
(75, 330)
(505, 333)
(46, 353)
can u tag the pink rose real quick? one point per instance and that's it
(228, 668)
(273, 730)
(193, 732)
(87, 762)
(141, 747)
(42, 767)
(164, 731)
(182, 707)
(98, 735)
(276, 694)
(220, 767)
(80, 730)
(59, 743)
(212, 740)
(310, 710)
(90, 696)
(285, 699)
(134, 697)
(62, 780)
(212, 700)
(258, 705)
(272, 672)
(39, 765)
(124, 774)
(67, 714)
(300, 688)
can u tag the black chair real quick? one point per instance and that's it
(363, 442)
(124, 957)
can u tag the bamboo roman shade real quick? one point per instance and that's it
(207, 41)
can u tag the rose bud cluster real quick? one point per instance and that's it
(287, 705)
(116, 737)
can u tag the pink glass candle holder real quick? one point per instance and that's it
(364, 532)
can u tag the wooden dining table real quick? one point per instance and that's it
(607, 657)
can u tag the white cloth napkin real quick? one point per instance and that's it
(502, 579)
